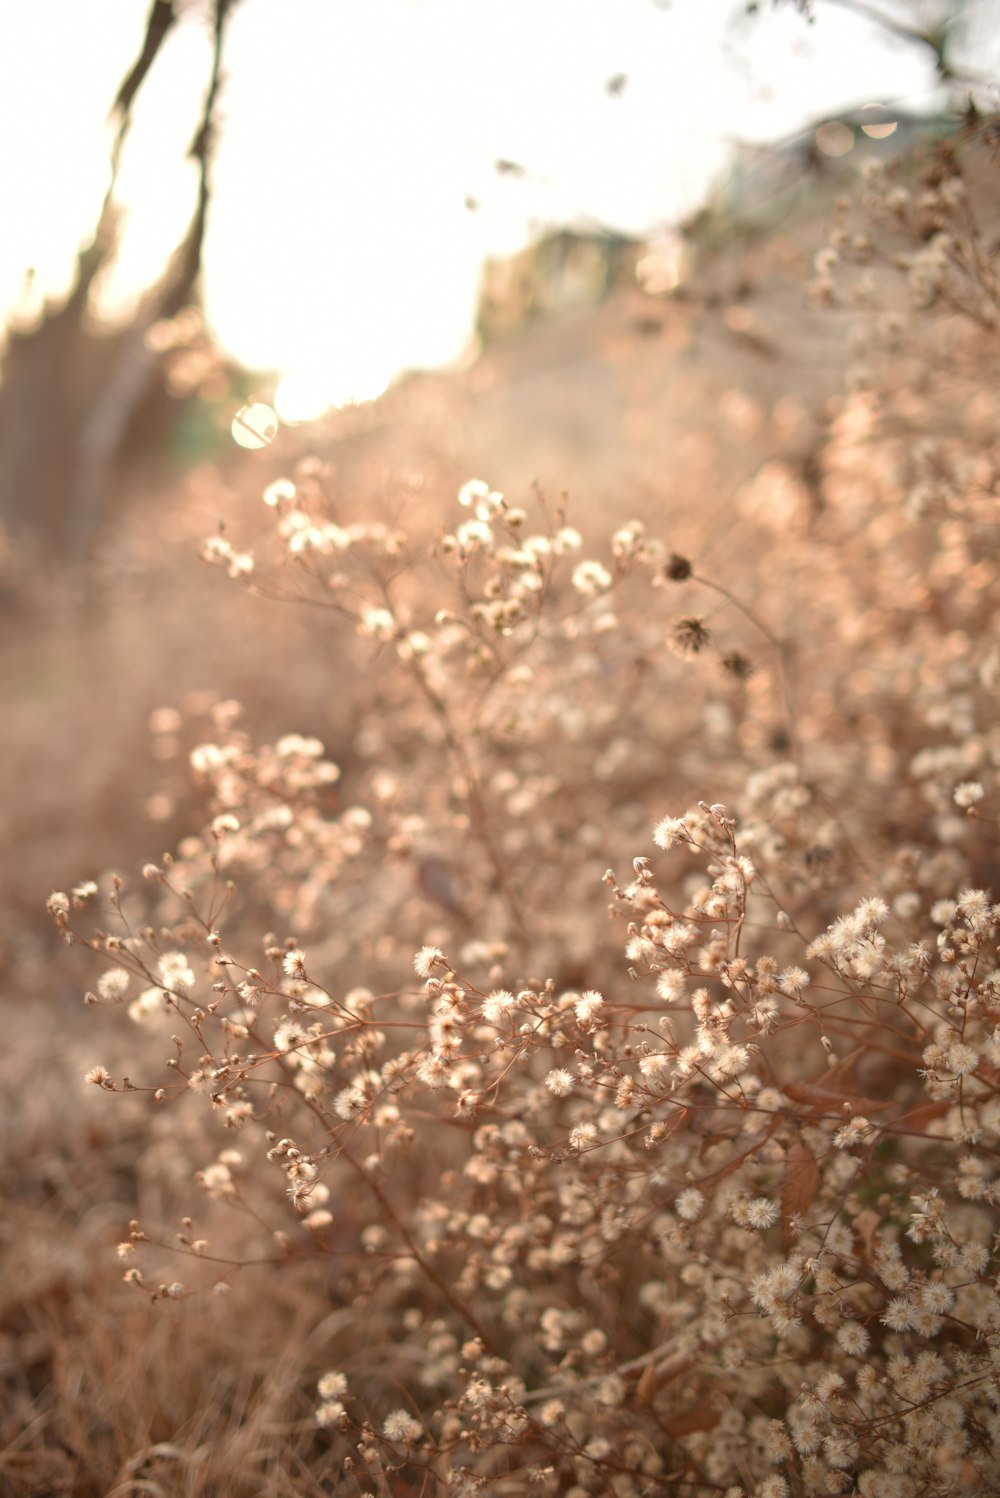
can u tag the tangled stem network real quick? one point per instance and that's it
(650, 1141)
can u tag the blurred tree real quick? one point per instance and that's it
(946, 28)
(71, 395)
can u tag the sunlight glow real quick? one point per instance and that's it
(309, 390)
(302, 395)
(356, 185)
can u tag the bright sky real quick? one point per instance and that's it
(341, 249)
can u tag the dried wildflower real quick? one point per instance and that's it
(57, 906)
(853, 1338)
(670, 831)
(475, 492)
(937, 1297)
(738, 665)
(82, 893)
(330, 1412)
(774, 1486)
(976, 909)
(677, 568)
(217, 1180)
(591, 578)
(793, 981)
(671, 985)
(560, 1082)
(761, 1213)
(690, 636)
(399, 1425)
(567, 539)
(426, 960)
(588, 1007)
(857, 1131)
(960, 1059)
(378, 622)
(498, 1006)
(113, 984)
(99, 1076)
(690, 1204)
(281, 491)
(899, 1315)
(175, 972)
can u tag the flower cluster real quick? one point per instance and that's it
(648, 1141)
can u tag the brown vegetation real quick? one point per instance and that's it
(558, 1048)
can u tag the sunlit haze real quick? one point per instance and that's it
(356, 189)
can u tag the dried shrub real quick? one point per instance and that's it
(634, 1142)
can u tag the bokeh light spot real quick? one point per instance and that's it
(835, 138)
(254, 425)
(879, 126)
